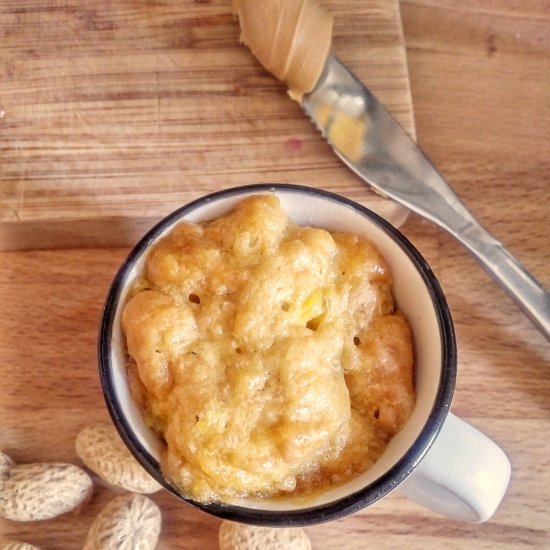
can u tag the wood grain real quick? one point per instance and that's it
(480, 75)
(120, 112)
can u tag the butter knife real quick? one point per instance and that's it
(368, 139)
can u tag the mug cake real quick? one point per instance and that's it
(269, 357)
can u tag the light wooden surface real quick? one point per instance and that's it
(480, 78)
(116, 113)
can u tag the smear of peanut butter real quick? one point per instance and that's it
(290, 38)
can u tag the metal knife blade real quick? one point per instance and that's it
(368, 139)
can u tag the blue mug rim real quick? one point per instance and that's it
(316, 514)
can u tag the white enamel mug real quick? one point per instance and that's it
(436, 459)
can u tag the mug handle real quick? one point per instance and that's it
(464, 475)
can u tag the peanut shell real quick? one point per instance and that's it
(129, 522)
(15, 545)
(33, 492)
(239, 536)
(5, 463)
(101, 449)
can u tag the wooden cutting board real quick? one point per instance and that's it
(113, 114)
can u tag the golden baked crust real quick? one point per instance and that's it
(267, 355)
